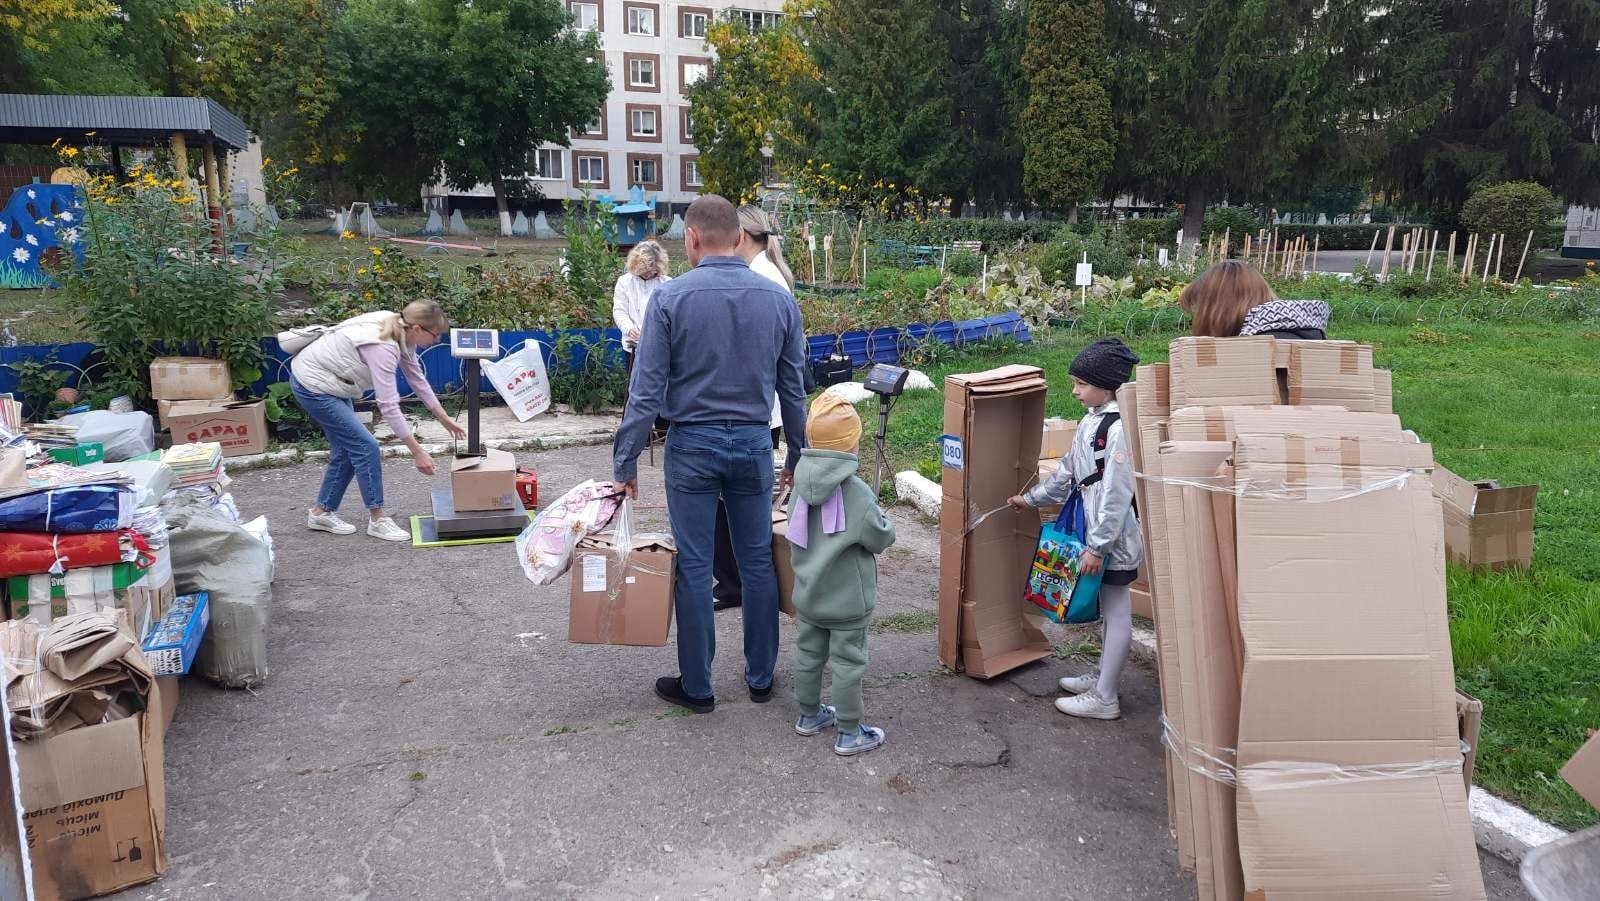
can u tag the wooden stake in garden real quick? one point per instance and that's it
(1487, 259)
(1227, 233)
(1405, 251)
(1314, 249)
(1433, 250)
(1388, 250)
(1373, 249)
(1500, 258)
(827, 258)
(1245, 253)
(1450, 255)
(1466, 258)
(1525, 245)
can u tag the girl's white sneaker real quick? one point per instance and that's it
(1090, 706)
(1079, 684)
(386, 529)
(328, 522)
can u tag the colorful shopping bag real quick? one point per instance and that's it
(1055, 585)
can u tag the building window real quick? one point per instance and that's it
(686, 124)
(587, 16)
(692, 73)
(641, 19)
(693, 22)
(591, 170)
(644, 170)
(548, 164)
(643, 74)
(595, 130)
(758, 21)
(691, 172)
(642, 124)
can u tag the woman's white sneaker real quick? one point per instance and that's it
(386, 529)
(1090, 706)
(1079, 684)
(328, 522)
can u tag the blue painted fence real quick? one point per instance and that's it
(446, 374)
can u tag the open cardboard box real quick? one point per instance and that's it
(994, 424)
(484, 482)
(612, 604)
(1486, 526)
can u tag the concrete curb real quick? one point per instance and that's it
(1500, 827)
(291, 456)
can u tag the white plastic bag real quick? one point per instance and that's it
(521, 379)
(545, 547)
(124, 435)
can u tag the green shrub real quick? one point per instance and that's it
(964, 264)
(1152, 231)
(1511, 208)
(1058, 259)
(996, 234)
(1236, 221)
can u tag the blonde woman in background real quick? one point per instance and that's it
(646, 271)
(331, 373)
(762, 247)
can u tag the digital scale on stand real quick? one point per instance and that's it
(479, 474)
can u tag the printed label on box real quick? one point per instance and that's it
(952, 452)
(594, 573)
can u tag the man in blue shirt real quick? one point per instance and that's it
(717, 342)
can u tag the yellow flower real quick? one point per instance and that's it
(377, 269)
(265, 162)
(361, 271)
(346, 235)
(186, 198)
(377, 252)
(367, 295)
(69, 152)
(289, 171)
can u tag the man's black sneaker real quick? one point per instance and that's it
(726, 604)
(670, 689)
(762, 695)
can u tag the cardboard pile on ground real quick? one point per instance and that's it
(87, 711)
(1486, 526)
(1296, 565)
(994, 424)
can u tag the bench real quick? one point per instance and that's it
(973, 247)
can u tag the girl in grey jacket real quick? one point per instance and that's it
(1115, 543)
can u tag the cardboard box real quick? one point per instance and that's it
(485, 482)
(1382, 391)
(1347, 667)
(1140, 591)
(173, 642)
(780, 561)
(1486, 526)
(994, 425)
(1331, 373)
(239, 426)
(190, 378)
(1058, 435)
(1469, 725)
(168, 710)
(95, 806)
(1217, 371)
(1582, 772)
(79, 455)
(611, 605)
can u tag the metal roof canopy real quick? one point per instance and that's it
(46, 118)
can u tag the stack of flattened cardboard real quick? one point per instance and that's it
(994, 424)
(1296, 559)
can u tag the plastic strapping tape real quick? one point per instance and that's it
(1220, 764)
(1286, 490)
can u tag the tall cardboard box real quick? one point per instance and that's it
(781, 564)
(1058, 435)
(95, 805)
(1469, 725)
(1486, 526)
(1347, 673)
(189, 378)
(239, 426)
(485, 482)
(994, 425)
(1224, 371)
(1332, 373)
(613, 604)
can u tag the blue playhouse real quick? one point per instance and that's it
(632, 221)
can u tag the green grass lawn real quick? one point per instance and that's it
(1515, 402)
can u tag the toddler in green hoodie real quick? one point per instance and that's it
(837, 530)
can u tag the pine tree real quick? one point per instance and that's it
(886, 105)
(1218, 99)
(1066, 127)
(1513, 98)
(993, 92)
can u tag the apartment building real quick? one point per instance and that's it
(644, 134)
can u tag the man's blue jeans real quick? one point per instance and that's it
(352, 451)
(733, 462)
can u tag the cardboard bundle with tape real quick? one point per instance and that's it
(1296, 554)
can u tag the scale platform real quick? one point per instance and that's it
(446, 523)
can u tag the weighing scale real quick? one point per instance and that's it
(888, 382)
(471, 345)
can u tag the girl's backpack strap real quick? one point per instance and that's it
(1102, 437)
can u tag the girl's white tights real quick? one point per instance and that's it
(1116, 606)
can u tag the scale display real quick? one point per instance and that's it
(474, 343)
